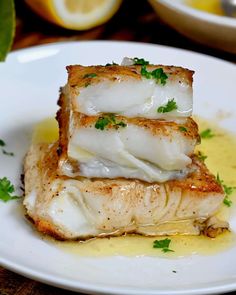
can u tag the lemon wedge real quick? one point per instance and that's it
(75, 14)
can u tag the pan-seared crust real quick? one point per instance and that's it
(188, 128)
(63, 119)
(79, 75)
(199, 191)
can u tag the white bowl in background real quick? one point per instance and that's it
(209, 29)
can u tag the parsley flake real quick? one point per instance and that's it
(163, 245)
(91, 75)
(207, 133)
(183, 129)
(170, 106)
(228, 190)
(201, 156)
(140, 61)
(227, 202)
(6, 190)
(109, 119)
(2, 143)
(158, 74)
(7, 153)
(102, 123)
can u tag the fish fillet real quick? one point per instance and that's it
(145, 149)
(125, 91)
(82, 208)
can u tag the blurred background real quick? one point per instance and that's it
(129, 21)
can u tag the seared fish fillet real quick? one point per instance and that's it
(145, 149)
(125, 91)
(82, 208)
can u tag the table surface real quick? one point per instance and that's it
(131, 23)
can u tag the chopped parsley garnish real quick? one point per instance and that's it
(113, 64)
(7, 153)
(158, 74)
(227, 202)
(87, 84)
(6, 190)
(101, 123)
(2, 143)
(201, 156)
(183, 129)
(207, 133)
(228, 190)
(140, 61)
(91, 75)
(170, 106)
(163, 245)
(109, 119)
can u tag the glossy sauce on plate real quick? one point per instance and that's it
(221, 158)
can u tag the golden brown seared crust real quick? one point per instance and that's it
(188, 128)
(80, 76)
(63, 119)
(200, 181)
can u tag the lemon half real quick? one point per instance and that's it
(75, 14)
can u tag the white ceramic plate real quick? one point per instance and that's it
(29, 85)
(210, 29)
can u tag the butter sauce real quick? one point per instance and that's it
(221, 159)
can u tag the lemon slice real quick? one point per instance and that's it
(75, 14)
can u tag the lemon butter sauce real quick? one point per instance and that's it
(221, 158)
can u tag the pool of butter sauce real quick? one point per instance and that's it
(221, 159)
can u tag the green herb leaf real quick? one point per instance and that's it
(158, 74)
(7, 27)
(140, 61)
(183, 129)
(102, 123)
(163, 244)
(207, 133)
(201, 156)
(7, 153)
(108, 119)
(170, 106)
(2, 143)
(6, 190)
(227, 202)
(228, 190)
(91, 75)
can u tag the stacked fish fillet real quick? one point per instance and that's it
(125, 159)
